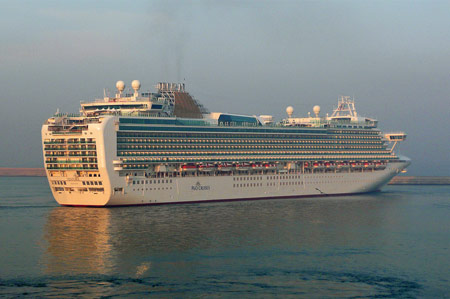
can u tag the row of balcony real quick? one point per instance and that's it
(56, 148)
(246, 153)
(252, 159)
(71, 162)
(70, 155)
(70, 168)
(244, 141)
(68, 142)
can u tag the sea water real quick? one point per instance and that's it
(393, 243)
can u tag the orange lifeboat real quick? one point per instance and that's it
(188, 168)
(318, 165)
(269, 166)
(257, 166)
(330, 165)
(356, 165)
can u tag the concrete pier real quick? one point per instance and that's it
(420, 180)
(4, 171)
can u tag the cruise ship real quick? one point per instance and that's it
(141, 148)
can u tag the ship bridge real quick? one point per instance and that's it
(170, 99)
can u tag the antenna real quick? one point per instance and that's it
(346, 107)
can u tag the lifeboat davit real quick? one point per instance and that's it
(225, 167)
(380, 165)
(206, 167)
(343, 165)
(243, 166)
(369, 165)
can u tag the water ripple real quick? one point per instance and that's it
(254, 283)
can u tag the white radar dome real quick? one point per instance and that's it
(120, 85)
(289, 110)
(316, 110)
(136, 84)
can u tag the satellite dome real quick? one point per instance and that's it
(136, 84)
(120, 85)
(316, 110)
(289, 110)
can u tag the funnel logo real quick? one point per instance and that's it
(199, 187)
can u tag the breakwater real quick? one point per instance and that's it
(420, 180)
(4, 171)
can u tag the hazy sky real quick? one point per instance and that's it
(252, 57)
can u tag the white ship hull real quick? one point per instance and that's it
(234, 187)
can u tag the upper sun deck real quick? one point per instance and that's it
(344, 116)
(171, 101)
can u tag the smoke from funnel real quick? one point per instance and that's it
(169, 29)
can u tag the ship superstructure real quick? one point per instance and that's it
(165, 147)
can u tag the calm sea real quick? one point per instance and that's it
(389, 244)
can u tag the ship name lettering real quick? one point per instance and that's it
(199, 187)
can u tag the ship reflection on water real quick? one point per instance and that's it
(136, 241)
(78, 241)
(274, 246)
